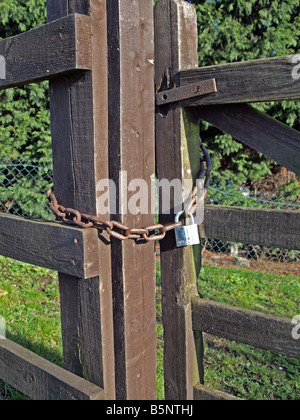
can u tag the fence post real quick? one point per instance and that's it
(177, 153)
(80, 158)
(132, 151)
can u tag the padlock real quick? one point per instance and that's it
(186, 235)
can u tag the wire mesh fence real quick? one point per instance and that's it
(245, 198)
(23, 185)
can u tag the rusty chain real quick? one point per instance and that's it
(204, 176)
(118, 230)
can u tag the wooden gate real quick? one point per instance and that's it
(185, 315)
(99, 56)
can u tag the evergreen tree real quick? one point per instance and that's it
(236, 30)
(229, 30)
(24, 124)
(24, 112)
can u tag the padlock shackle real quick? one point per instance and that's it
(178, 215)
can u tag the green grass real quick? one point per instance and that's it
(261, 291)
(239, 369)
(29, 302)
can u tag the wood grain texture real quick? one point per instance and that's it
(250, 81)
(177, 153)
(97, 10)
(50, 50)
(50, 245)
(132, 150)
(248, 327)
(41, 380)
(274, 139)
(265, 227)
(204, 393)
(80, 159)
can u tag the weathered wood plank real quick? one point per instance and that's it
(50, 245)
(204, 393)
(250, 81)
(80, 159)
(248, 327)
(132, 150)
(41, 380)
(47, 51)
(177, 151)
(57, 9)
(258, 131)
(273, 228)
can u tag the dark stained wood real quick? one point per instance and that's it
(131, 149)
(265, 227)
(86, 343)
(177, 152)
(50, 245)
(250, 81)
(41, 380)
(248, 327)
(258, 131)
(204, 393)
(80, 160)
(56, 9)
(50, 50)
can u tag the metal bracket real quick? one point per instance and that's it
(186, 92)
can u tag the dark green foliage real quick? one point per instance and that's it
(235, 30)
(24, 123)
(24, 112)
(229, 30)
(21, 15)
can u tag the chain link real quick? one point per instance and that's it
(122, 232)
(204, 177)
(115, 229)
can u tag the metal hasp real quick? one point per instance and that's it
(182, 93)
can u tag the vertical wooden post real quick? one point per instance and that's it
(131, 150)
(177, 152)
(80, 157)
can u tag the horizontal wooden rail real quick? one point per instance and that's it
(273, 228)
(264, 80)
(274, 139)
(39, 379)
(51, 245)
(204, 393)
(58, 47)
(248, 327)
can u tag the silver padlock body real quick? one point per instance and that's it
(187, 235)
